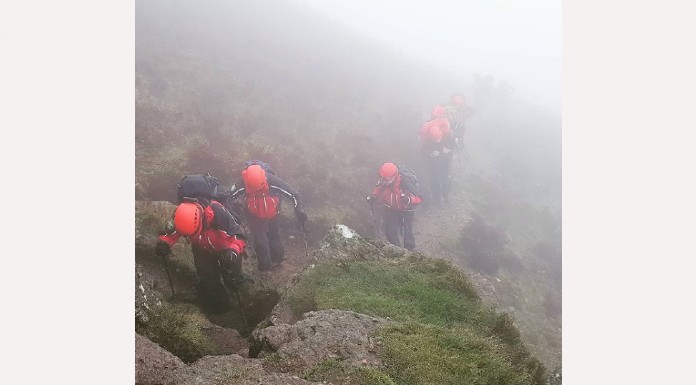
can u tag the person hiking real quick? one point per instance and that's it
(398, 195)
(437, 143)
(262, 190)
(217, 244)
(457, 111)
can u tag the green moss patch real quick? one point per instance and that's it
(177, 328)
(427, 354)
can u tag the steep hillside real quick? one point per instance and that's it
(362, 312)
(217, 85)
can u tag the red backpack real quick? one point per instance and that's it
(259, 203)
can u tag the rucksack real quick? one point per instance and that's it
(262, 205)
(261, 163)
(259, 203)
(199, 185)
(410, 175)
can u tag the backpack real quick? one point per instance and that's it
(410, 175)
(260, 204)
(261, 163)
(198, 185)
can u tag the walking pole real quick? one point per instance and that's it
(304, 235)
(166, 267)
(403, 215)
(239, 299)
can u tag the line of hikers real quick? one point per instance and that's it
(209, 217)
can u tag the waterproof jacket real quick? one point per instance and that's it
(398, 196)
(220, 231)
(431, 148)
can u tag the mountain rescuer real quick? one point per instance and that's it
(262, 190)
(457, 111)
(437, 143)
(397, 190)
(216, 243)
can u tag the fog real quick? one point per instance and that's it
(323, 71)
(515, 41)
(326, 92)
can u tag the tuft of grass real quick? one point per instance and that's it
(370, 375)
(234, 375)
(177, 328)
(325, 370)
(426, 354)
(335, 371)
(274, 362)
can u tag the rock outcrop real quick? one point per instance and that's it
(325, 334)
(152, 362)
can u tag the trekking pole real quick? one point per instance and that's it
(304, 236)
(403, 216)
(166, 267)
(239, 298)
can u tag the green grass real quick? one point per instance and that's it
(427, 354)
(445, 335)
(429, 292)
(177, 328)
(337, 372)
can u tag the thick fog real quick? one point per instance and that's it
(328, 99)
(514, 41)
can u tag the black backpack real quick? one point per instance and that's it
(261, 163)
(410, 175)
(199, 185)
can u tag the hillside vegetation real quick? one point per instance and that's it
(445, 335)
(435, 328)
(215, 87)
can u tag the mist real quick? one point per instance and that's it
(326, 92)
(518, 42)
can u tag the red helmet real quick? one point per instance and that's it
(388, 170)
(438, 112)
(188, 219)
(254, 178)
(457, 100)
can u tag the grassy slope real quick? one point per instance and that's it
(215, 89)
(446, 335)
